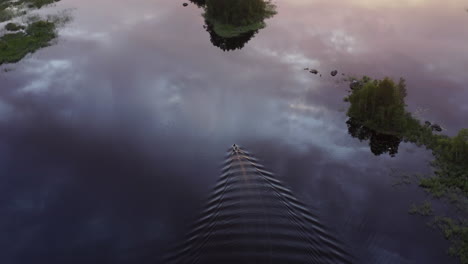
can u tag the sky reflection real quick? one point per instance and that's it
(110, 139)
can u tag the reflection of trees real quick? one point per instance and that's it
(239, 13)
(377, 113)
(233, 23)
(380, 104)
(199, 3)
(379, 143)
(232, 43)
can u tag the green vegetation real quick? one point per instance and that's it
(38, 33)
(13, 27)
(424, 209)
(378, 113)
(232, 23)
(199, 3)
(10, 9)
(379, 143)
(234, 17)
(239, 12)
(457, 232)
(380, 104)
(15, 46)
(230, 31)
(6, 14)
(451, 163)
(4, 4)
(37, 3)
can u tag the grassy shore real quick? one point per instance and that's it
(23, 39)
(379, 105)
(15, 46)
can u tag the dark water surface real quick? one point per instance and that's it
(111, 139)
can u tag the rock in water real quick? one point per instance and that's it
(427, 124)
(354, 84)
(314, 71)
(185, 4)
(436, 127)
(334, 73)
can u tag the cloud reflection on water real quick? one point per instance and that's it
(110, 138)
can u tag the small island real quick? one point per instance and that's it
(232, 23)
(377, 113)
(23, 39)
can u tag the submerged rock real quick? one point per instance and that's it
(354, 84)
(185, 4)
(427, 124)
(334, 73)
(436, 127)
(306, 69)
(314, 71)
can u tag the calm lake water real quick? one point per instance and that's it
(111, 139)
